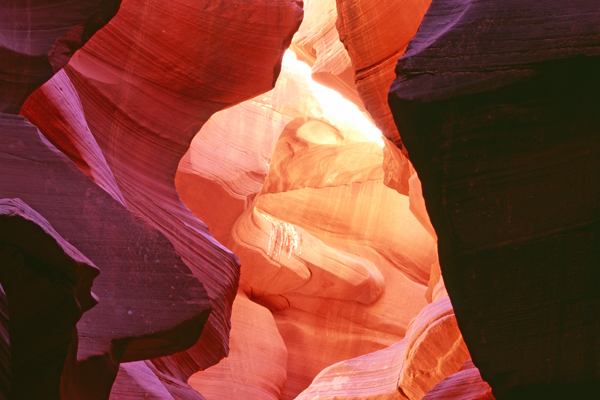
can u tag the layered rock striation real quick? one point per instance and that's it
(497, 105)
(149, 303)
(38, 38)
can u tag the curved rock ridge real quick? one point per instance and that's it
(145, 98)
(142, 380)
(317, 43)
(228, 160)
(37, 38)
(497, 105)
(257, 362)
(465, 385)
(46, 287)
(149, 304)
(309, 226)
(432, 349)
(375, 34)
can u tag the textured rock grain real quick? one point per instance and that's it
(145, 98)
(150, 305)
(376, 33)
(497, 105)
(45, 288)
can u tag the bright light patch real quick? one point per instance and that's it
(333, 103)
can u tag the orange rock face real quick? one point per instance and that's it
(256, 367)
(341, 260)
(432, 349)
(318, 44)
(376, 34)
(126, 110)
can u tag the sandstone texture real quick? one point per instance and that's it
(37, 38)
(248, 233)
(376, 34)
(45, 289)
(316, 247)
(149, 303)
(143, 100)
(497, 105)
(465, 385)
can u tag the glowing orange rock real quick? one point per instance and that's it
(432, 350)
(143, 100)
(256, 366)
(229, 158)
(316, 248)
(376, 34)
(464, 385)
(318, 44)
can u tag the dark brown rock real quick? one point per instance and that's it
(497, 103)
(30, 30)
(150, 305)
(45, 288)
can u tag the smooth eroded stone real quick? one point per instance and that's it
(463, 385)
(317, 43)
(497, 103)
(149, 303)
(256, 365)
(432, 349)
(142, 380)
(145, 85)
(376, 33)
(37, 38)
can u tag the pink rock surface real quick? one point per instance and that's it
(257, 362)
(150, 305)
(145, 98)
(309, 226)
(142, 380)
(464, 385)
(432, 349)
(317, 43)
(37, 38)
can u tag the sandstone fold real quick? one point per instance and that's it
(375, 34)
(144, 99)
(149, 303)
(313, 249)
(432, 350)
(497, 105)
(323, 246)
(142, 380)
(257, 362)
(317, 43)
(464, 385)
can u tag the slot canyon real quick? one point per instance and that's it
(310, 200)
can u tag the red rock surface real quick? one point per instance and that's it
(465, 385)
(340, 279)
(376, 34)
(317, 43)
(257, 364)
(332, 298)
(432, 349)
(181, 79)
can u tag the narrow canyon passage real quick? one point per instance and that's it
(311, 200)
